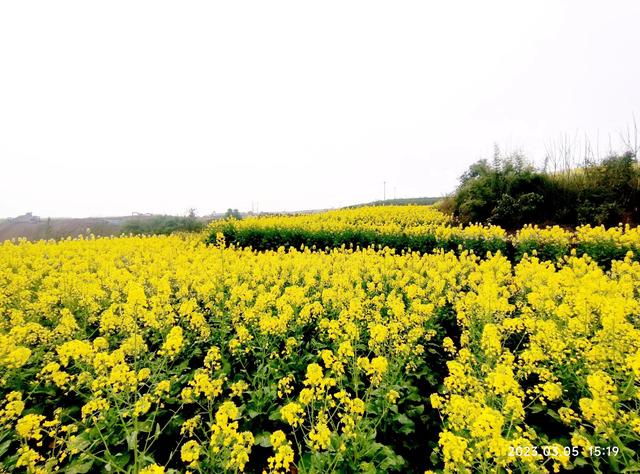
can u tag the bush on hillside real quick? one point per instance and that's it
(510, 192)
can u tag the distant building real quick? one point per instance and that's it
(24, 218)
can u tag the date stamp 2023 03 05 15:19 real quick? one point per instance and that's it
(556, 450)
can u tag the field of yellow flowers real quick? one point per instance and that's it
(424, 229)
(167, 354)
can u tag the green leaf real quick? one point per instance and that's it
(122, 459)
(275, 415)
(554, 414)
(416, 410)
(391, 461)
(408, 426)
(537, 408)
(81, 466)
(263, 439)
(404, 419)
(145, 426)
(4, 447)
(226, 366)
(414, 397)
(580, 462)
(79, 443)
(367, 468)
(132, 439)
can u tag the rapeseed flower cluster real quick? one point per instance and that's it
(562, 348)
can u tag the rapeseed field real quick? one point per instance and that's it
(188, 353)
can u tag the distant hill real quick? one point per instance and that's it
(422, 201)
(39, 228)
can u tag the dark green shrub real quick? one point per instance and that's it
(510, 192)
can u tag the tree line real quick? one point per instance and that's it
(510, 191)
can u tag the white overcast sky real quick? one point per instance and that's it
(112, 107)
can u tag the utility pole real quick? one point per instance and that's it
(394, 192)
(384, 190)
